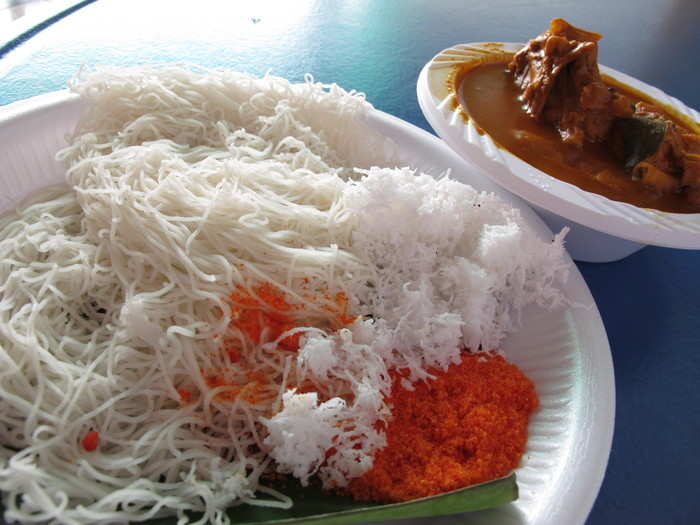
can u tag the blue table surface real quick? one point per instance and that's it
(648, 301)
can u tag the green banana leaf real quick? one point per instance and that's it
(313, 506)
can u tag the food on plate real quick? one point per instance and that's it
(237, 283)
(551, 106)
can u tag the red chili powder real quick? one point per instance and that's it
(466, 426)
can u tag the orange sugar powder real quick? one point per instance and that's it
(466, 426)
(263, 312)
(266, 309)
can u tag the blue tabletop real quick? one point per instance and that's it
(648, 301)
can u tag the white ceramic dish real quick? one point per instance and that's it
(602, 230)
(565, 352)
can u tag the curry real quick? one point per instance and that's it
(550, 107)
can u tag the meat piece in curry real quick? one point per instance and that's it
(558, 75)
(560, 85)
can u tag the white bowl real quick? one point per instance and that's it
(602, 230)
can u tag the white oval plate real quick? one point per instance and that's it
(565, 352)
(619, 219)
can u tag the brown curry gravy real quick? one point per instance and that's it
(490, 98)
